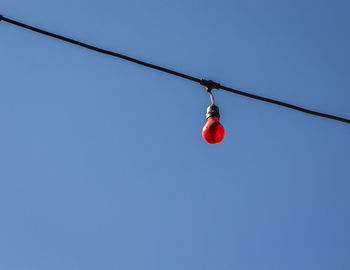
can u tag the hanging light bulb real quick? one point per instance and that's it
(213, 132)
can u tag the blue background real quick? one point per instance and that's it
(102, 163)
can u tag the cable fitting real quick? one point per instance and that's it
(210, 85)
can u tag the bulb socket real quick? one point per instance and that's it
(213, 110)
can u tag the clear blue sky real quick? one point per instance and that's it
(102, 163)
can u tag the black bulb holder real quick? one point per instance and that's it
(213, 110)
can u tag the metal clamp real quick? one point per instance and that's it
(210, 85)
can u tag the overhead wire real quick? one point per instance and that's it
(207, 83)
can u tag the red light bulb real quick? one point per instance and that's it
(213, 132)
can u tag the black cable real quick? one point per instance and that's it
(207, 83)
(100, 50)
(280, 103)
